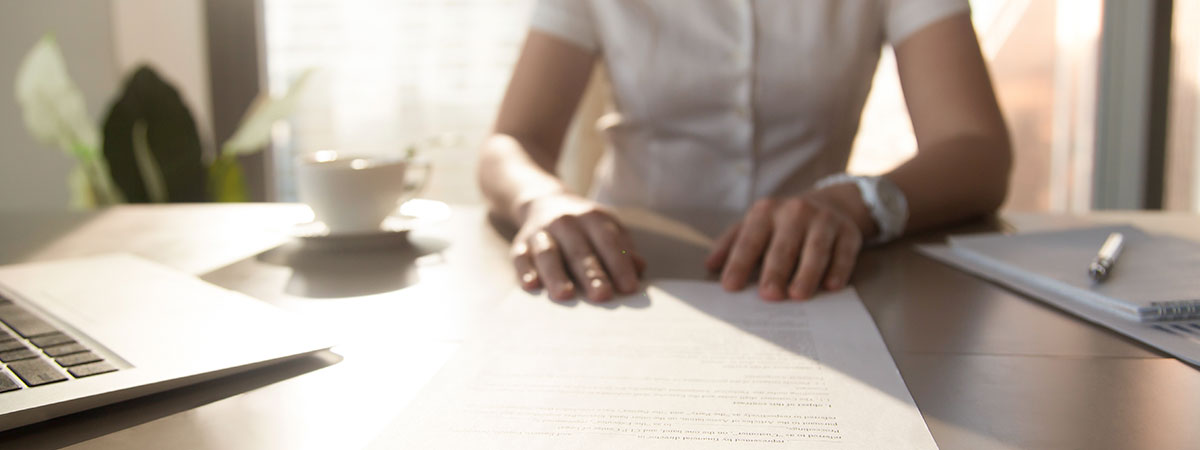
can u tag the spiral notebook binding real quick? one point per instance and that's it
(1176, 310)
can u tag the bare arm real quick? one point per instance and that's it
(518, 159)
(960, 171)
(963, 160)
(566, 243)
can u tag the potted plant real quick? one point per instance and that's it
(149, 150)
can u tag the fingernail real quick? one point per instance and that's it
(598, 291)
(628, 285)
(771, 292)
(565, 291)
(728, 281)
(529, 277)
(795, 293)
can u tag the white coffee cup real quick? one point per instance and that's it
(355, 193)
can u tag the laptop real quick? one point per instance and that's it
(82, 333)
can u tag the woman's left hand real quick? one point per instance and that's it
(804, 243)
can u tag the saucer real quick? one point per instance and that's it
(316, 230)
(408, 215)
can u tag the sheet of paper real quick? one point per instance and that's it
(683, 365)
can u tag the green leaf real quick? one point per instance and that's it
(255, 130)
(151, 176)
(225, 180)
(103, 189)
(51, 104)
(80, 187)
(174, 143)
(90, 184)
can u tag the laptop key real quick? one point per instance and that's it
(7, 383)
(10, 345)
(51, 340)
(6, 336)
(90, 369)
(17, 355)
(25, 324)
(65, 349)
(77, 359)
(36, 372)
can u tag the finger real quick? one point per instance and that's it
(814, 259)
(615, 252)
(639, 263)
(526, 271)
(549, 263)
(626, 241)
(748, 246)
(720, 252)
(581, 259)
(596, 281)
(845, 255)
(780, 261)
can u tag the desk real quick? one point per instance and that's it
(988, 368)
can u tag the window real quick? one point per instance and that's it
(1047, 93)
(431, 72)
(1183, 140)
(393, 73)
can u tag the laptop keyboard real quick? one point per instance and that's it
(35, 353)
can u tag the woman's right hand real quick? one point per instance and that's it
(567, 241)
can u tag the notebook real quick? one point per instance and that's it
(1155, 277)
(1152, 293)
(80, 333)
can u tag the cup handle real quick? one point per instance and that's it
(414, 187)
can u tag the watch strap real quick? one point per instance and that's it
(890, 220)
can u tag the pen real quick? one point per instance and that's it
(1106, 258)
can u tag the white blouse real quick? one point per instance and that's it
(721, 102)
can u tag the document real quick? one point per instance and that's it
(683, 365)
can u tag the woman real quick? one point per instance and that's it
(747, 106)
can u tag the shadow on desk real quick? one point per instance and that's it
(352, 268)
(75, 428)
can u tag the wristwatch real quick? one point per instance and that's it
(883, 198)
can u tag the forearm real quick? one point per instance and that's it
(510, 177)
(964, 157)
(955, 180)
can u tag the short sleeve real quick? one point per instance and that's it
(905, 17)
(568, 19)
